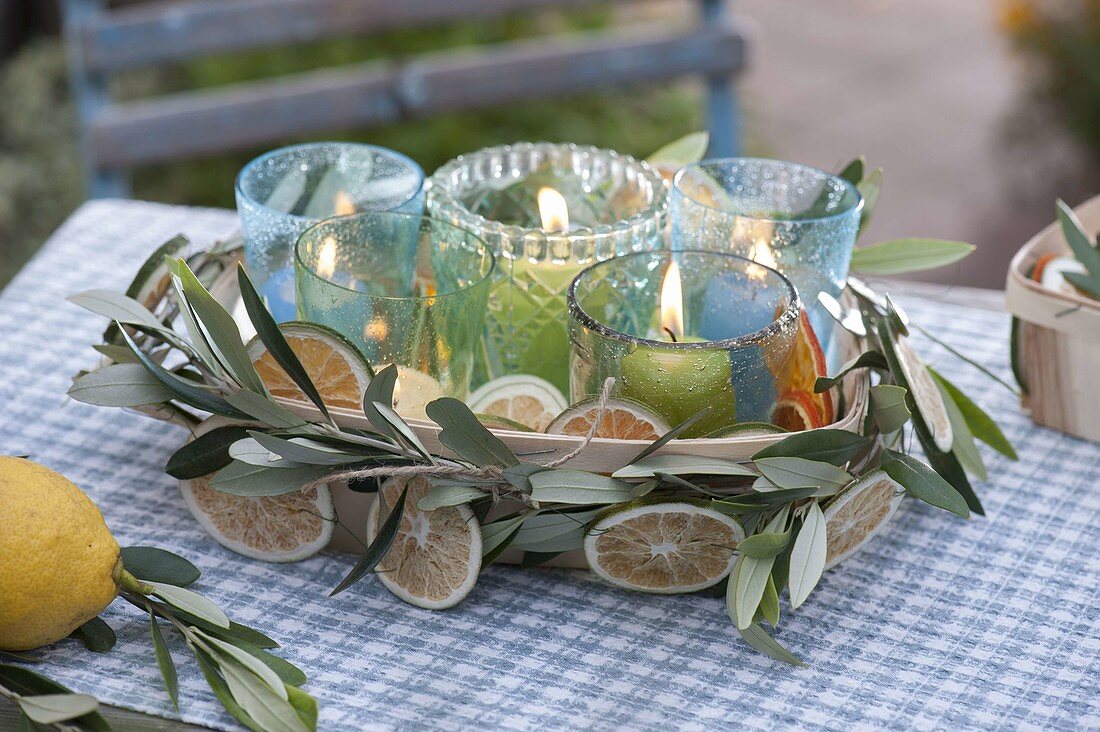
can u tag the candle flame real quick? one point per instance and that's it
(326, 259)
(343, 205)
(672, 303)
(553, 210)
(761, 253)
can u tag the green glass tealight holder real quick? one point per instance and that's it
(681, 332)
(404, 289)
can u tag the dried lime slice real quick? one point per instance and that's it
(286, 528)
(436, 556)
(521, 398)
(859, 512)
(663, 546)
(622, 420)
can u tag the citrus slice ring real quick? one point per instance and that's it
(522, 398)
(926, 394)
(665, 547)
(622, 420)
(859, 512)
(796, 411)
(335, 366)
(436, 556)
(286, 528)
(795, 378)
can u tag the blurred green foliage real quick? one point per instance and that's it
(39, 166)
(1061, 40)
(40, 180)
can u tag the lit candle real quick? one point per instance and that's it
(677, 383)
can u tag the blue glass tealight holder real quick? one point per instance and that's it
(800, 220)
(284, 192)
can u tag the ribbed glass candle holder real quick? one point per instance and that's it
(616, 205)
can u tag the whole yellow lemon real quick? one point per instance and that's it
(59, 565)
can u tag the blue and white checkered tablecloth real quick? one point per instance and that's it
(938, 624)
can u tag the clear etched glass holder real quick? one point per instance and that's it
(740, 320)
(617, 205)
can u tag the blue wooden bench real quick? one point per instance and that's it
(119, 136)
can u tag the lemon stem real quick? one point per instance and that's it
(129, 582)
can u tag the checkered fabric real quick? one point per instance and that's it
(938, 623)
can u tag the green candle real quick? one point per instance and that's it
(678, 382)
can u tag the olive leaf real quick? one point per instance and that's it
(962, 440)
(467, 437)
(96, 635)
(152, 564)
(190, 602)
(183, 389)
(808, 554)
(164, 662)
(205, 454)
(441, 496)
(265, 410)
(759, 639)
(55, 708)
(268, 331)
(691, 148)
(898, 256)
(981, 424)
(796, 472)
(248, 661)
(393, 419)
(242, 479)
(378, 548)
(219, 328)
(823, 445)
(119, 385)
(888, 407)
(853, 171)
(303, 450)
(555, 531)
(769, 602)
(498, 535)
(578, 487)
(763, 546)
(261, 702)
(745, 594)
(1083, 250)
(672, 434)
(869, 188)
(924, 483)
(867, 359)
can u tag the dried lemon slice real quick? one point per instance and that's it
(859, 512)
(286, 528)
(664, 547)
(522, 398)
(622, 420)
(334, 365)
(436, 556)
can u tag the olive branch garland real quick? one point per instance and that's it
(778, 497)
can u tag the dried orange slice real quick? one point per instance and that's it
(798, 410)
(436, 556)
(286, 528)
(799, 372)
(665, 547)
(522, 398)
(335, 366)
(857, 513)
(622, 420)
